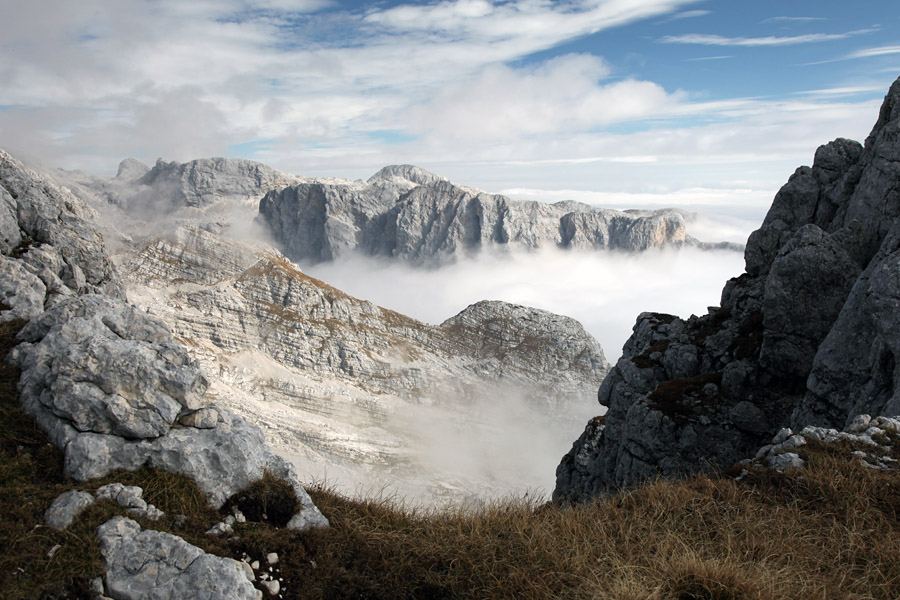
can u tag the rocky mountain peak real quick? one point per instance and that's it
(408, 214)
(410, 173)
(806, 336)
(203, 182)
(131, 169)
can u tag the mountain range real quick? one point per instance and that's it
(160, 328)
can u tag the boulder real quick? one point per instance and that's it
(147, 565)
(95, 364)
(66, 508)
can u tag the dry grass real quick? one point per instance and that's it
(828, 532)
(831, 534)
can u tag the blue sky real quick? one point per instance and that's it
(618, 102)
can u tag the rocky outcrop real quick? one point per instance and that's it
(340, 386)
(873, 441)
(112, 388)
(201, 183)
(109, 385)
(68, 505)
(806, 336)
(152, 564)
(51, 248)
(409, 214)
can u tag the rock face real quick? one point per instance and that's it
(201, 183)
(335, 380)
(51, 248)
(114, 390)
(343, 388)
(808, 335)
(410, 214)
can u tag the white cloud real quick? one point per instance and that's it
(688, 14)
(605, 291)
(182, 80)
(701, 58)
(840, 91)
(560, 96)
(772, 40)
(870, 52)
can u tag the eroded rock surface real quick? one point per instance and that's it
(146, 565)
(107, 383)
(410, 214)
(110, 385)
(50, 245)
(808, 335)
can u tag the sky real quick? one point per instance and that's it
(701, 104)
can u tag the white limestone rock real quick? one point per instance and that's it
(107, 382)
(66, 508)
(147, 565)
(98, 365)
(203, 182)
(410, 214)
(347, 385)
(221, 460)
(131, 498)
(21, 291)
(53, 229)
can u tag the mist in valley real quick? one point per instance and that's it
(500, 439)
(605, 291)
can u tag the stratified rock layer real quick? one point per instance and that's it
(808, 335)
(334, 379)
(410, 214)
(341, 386)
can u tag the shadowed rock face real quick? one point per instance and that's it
(410, 214)
(808, 335)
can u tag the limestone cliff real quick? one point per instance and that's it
(410, 214)
(806, 336)
(347, 390)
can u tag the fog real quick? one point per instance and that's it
(605, 291)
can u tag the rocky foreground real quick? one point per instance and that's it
(807, 336)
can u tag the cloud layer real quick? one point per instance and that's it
(605, 291)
